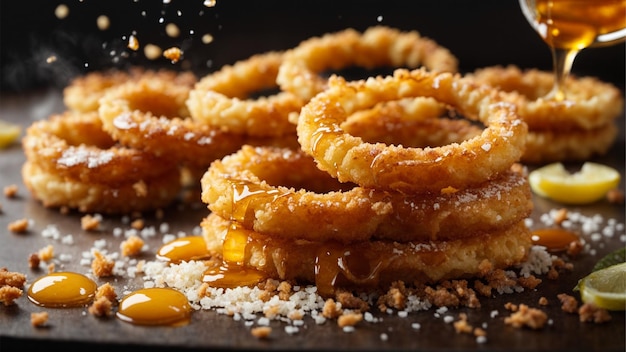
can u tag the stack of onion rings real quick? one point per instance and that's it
(377, 47)
(577, 128)
(278, 211)
(72, 162)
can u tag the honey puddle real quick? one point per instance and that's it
(554, 239)
(155, 306)
(184, 249)
(62, 289)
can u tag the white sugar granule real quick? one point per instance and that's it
(79, 155)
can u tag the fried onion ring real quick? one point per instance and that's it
(405, 169)
(281, 193)
(371, 263)
(55, 191)
(576, 145)
(74, 145)
(589, 103)
(223, 98)
(302, 68)
(84, 92)
(151, 115)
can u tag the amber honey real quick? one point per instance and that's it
(575, 24)
(554, 239)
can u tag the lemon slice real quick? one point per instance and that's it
(8, 133)
(588, 185)
(605, 288)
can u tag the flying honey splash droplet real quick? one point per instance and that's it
(184, 249)
(62, 289)
(155, 306)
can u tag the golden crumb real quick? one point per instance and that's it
(560, 216)
(569, 304)
(543, 301)
(10, 278)
(590, 313)
(202, 290)
(132, 246)
(615, 196)
(159, 214)
(295, 315)
(18, 226)
(47, 253)
(38, 319)
(8, 295)
(349, 300)
(449, 190)
(480, 332)
(64, 210)
(101, 307)
(272, 311)
(349, 319)
(101, 266)
(574, 248)
(331, 309)
(529, 282)
(90, 222)
(138, 224)
(395, 297)
(10, 191)
(511, 306)
(51, 268)
(141, 189)
(34, 261)
(173, 53)
(285, 288)
(527, 317)
(133, 43)
(107, 291)
(261, 332)
(461, 326)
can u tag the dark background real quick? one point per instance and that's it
(480, 33)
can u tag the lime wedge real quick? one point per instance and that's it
(588, 185)
(9, 133)
(605, 288)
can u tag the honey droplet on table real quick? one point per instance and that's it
(155, 306)
(184, 249)
(62, 289)
(555, 240)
